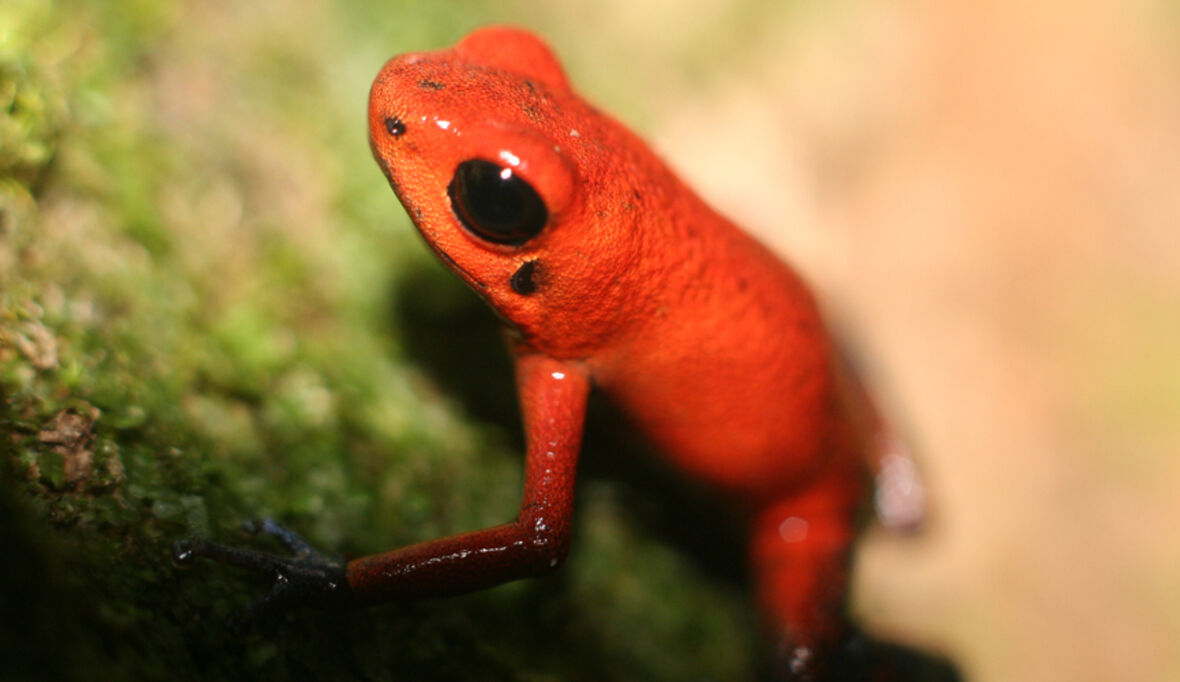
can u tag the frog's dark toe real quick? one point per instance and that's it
(306, 577)
(859, 658)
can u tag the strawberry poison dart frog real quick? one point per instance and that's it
(610, 274)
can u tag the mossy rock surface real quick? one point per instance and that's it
(212, 309)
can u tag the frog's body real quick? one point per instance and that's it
(610, 273)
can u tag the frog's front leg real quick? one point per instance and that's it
(553, 400)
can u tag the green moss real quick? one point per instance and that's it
(205, 316)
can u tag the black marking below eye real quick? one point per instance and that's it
(395, 126)
(522, 280)
(427, 84)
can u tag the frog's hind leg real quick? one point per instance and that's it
(800, 554)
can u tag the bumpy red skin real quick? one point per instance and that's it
(711, 345)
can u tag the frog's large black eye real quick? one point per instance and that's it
(496, 204)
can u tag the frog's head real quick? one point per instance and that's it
(491, 154)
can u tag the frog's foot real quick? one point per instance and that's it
(900, 497)
(307, 577)
(858, 657)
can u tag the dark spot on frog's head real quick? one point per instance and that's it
(395, 126)
(427, 84)
(523, 281)
(532, 111)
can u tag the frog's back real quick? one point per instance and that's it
(729, 367)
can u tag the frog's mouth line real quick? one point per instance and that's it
(415, 215)
(451, 262)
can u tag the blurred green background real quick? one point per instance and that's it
(212, 308)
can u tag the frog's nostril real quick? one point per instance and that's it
(395, 126)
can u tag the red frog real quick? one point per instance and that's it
(610, 274)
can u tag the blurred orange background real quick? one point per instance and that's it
(986, 193)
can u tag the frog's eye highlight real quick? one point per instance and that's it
(496, 204)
